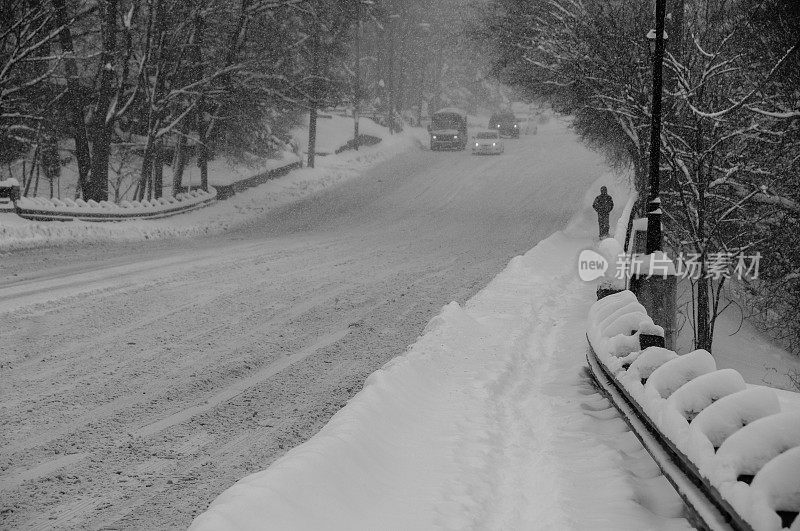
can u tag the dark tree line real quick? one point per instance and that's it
(119, 90)
(154, 82)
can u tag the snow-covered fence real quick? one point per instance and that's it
(229, 190)
(740, 445)
(42, 209)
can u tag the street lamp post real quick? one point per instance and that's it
(653, 200)
(655, 284)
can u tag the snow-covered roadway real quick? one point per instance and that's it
(138, 381)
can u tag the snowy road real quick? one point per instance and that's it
(138, 381)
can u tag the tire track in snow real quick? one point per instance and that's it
(431, 251)
(239, 386)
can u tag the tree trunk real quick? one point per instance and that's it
(357, 77)
(312, 134)
(158, 172)
(147, 167)
(233, 47)
(75, 107)
(437, 79)
(703, 315)
(103, 119)
(158, 175)
(152, 159)
(199, 120)
(315, 92)
(392, 85)
(179, 163)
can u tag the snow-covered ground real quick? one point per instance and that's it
(139, 380)
(487, 422)
(335, 130)
(142, 378)
(17, 233)
(739, 345)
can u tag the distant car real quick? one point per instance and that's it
(448, 129)
(505, 123)
(487, 143)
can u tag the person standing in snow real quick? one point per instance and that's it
(603, 204)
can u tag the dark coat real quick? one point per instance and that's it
(603, 204)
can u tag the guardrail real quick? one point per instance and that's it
(731, 450)
(41, 209)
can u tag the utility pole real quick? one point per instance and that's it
(656, 290)
(653, 199)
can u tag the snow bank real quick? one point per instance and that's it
(650, 359)
(674, 373)
(748, 449)
(722, 418)
(468, 429)
(40, 208)
(779, 480)
(700, 409)
(334, 131)
(18, 233)
(696, 395)
(351, 469)
(614, 254)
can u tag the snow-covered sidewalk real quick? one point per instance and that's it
(487, 422)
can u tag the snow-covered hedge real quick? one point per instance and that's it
(736, 437)
(42, 209)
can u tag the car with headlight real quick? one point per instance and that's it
(448, 129)
(505, 123)
(487, 143)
